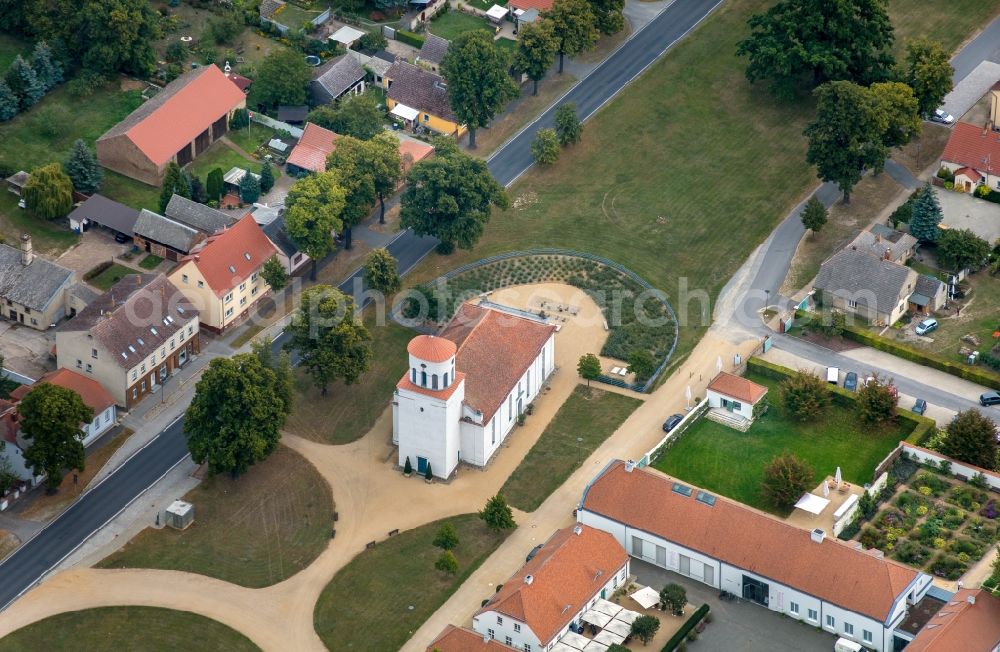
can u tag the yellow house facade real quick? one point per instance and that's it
(419, 98)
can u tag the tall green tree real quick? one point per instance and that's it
(959, 249)
(897, 104)
(266, 178)
(236, 416)
(273, 273)
(51, 418)
(877, 399)
(846, 138)
(330, 340)
(478, 84)
(249, 188)
(574, 25)
(536, 50)
(786, 478)
(925, 216)
(313, 210)
(114, 36)
(972, 437)
(214, 184)
(281, 364)
(47, 68)
(569, 129)
(641, 363)
(9, 105)
(928, 73)
(83, 169)
(589, 367)
(814, 215)
(175, 182)
(381, 274)
(49, 192)
(348, 160)
(24, 83)
(545, 147)
(451, 197)
(282, 78)
(674, 597)
(497, 514)
(608, 15)
(803, 43)
(385, 165)
(354, 115)
(805, 396)
(644, 628)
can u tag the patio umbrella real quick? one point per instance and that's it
(836, 477)
(687, 396)
(718, 363)
(826, 489)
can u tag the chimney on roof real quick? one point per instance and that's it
(629, 465)
(528, 579)
(971, 599)
(577, 530)
(817, 535)
(27, 255)
(888, 253)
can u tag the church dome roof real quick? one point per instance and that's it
(431, 348)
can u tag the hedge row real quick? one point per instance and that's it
(923, 427)
(691, 623)
(416, 40)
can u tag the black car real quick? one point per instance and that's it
(920, 406)
(121, 237)
(534, 551)
(851, 381)
(672, 422)
(989, 398)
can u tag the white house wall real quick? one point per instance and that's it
(715, 401)
(101, 423)
(431, 429)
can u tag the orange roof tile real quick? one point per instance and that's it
(737, 387)
(969, 172)
(839, 573)
(315, 145)
(459, 639)
(431, 349)
(443, 394)
(230, 256)
(93, 394)
(962, 625)
(524, 5)
(974, 147)
(494, 350)
(568, 571)
(413, 151)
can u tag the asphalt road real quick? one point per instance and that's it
(98, 506)
(985, 47)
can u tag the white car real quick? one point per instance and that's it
(944, 118)
(926, 326)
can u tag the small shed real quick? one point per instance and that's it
(346, 35)
(180, 515)
(17, 181)
(497, 13)
(231, 180)
(734, 394)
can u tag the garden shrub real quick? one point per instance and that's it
(410, 38)
(678, 638)
(947, 567)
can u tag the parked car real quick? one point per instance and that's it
(941, 116)
(920, 406)
(851, 381)
(121, 237)
(844, 645)
(672, 422)
(534, 551)
(989, 398)
(926, 326)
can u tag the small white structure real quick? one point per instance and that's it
(735, 394)
(405, 113)
(497, 13)
(346, 35)
(466, 388)
(180, 515)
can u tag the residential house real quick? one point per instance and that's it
(132, 338)
(163, 237)
(346, 36)
(574, 569)
(335, 79)
(884, 242)
(973, 155)
(970, 622)
(465, 388)
(176, 125)
(221, 276)
(10, 448)
(242, 83)
(736, 395)
(527, 11)
(90, 391)
(837, 587)
(420, 99)
(460, 639)
(35, 292)
(105, 212)
(288, 252)
(379, 64)
(432, 51)
(312, 150)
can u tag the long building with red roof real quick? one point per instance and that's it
(973, 155)
(465, 388)
(177, 124)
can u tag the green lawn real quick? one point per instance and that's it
(589, 414)
(110, 276)
(253, 531)
(251, 138)
(348, 412)
(979, 316)
(130, 192)
(111, 629)
(47, 236)
(724, 460)
(219, 155)
(486, 4)
(151, 261)
(383, 595)
(10, 47)
(506, 44)
(455, 23)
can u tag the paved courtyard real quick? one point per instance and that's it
(25, 350)
(95, 246)
(738, 626)
(962, 211)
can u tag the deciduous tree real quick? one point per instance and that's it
(51, 418)
(928, 73)
(536, 50)
(925, 216)
(383, 162)
(380, 272)
(355, 115)
(972, 437)
(674, 597)
(805, 396)
(446, 537)
(814, 215)
(877, 399)
(786, 478)
(569, 129)
(574, 25)
(608, 15)
(450, 197)
(331, 341)
(589, 367)
(49, 192)
(478, 84)
(447, 562)
(82, 168)
(959, 249)
(349, 161)
(896, 102)
(645, 627)
(282, 78)
(497, 514)
(641, 363)
(545, 147)
(312, 213)
(273, 273)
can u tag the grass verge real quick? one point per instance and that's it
(385, 594)
(8, 543)
(589, 414)
(220, 155)
(455, 23)
(254, 531)
(110, 629)
(130, 192)
(109, 276)
(521, 112)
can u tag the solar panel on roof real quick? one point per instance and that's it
(706, 498)
(681, 489)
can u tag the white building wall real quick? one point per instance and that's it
(429, 428)
(101, 423)
(715, 401)
(15, 456)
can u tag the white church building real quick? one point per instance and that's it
(465, 387)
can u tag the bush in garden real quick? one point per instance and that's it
(805, 396)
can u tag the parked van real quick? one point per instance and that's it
(844, 645)
(833, 375)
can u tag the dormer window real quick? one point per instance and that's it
(141, 343)
(232, 270)
(246, 254)
(153, 331)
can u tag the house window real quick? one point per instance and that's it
(445, 384)
(427, 118)
(491, 633)
(493, 440)
(423, 379)
(794, 607)
(517, 627)
(830, 622)
(135, 392)
(163, 352)
(243, 286)
(636, 546)
(79, 364)
(527, 647)
(253, 292)
(508, 641)
(184, 278)
(134, 376)
(190, 331)
(865, 634)
(813, 615)
(34, 322)
(143, 386)
(229, 311)
(253, 277)
(93, 353)
(171, 344)
(413, 376)
(229, 297)
(90, 369)
(851, 303)
(499, 620)
(142, 368)
(243, 301)
(434, 381)
(849, 629)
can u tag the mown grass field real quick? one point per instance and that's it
(112, 629)
(455, 23)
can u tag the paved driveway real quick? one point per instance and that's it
(963, 211)
(738, 626)
(95, 246)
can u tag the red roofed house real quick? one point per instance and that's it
(309, 154)
(93, 394)
(177, 124)
(735, 394)
(970, 621)
(221, 275)
(459, 639)
(973, 154)
(574, 569)
(836, 586)
(466, 387)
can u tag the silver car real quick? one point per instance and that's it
(941, 116)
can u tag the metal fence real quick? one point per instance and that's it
(276, 124)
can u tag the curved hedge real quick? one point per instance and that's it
(682, 633)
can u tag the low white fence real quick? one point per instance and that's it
(688, 419)
(960, 470)
(844, 516)
(276, 124)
